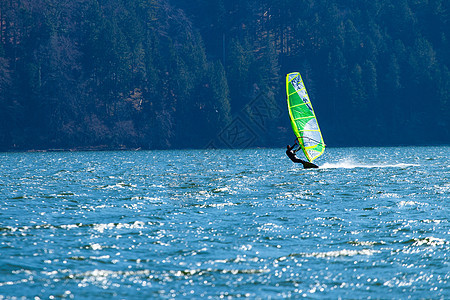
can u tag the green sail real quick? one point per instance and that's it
(303, 119)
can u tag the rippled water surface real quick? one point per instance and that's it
(370, 223)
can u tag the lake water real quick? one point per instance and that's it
(370, 223)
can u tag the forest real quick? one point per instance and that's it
(174, 74)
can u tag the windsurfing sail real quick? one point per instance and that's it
(303, 120)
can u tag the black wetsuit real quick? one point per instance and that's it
(291, 154)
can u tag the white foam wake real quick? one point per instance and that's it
(350, 164)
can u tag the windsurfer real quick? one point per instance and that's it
(290, 152)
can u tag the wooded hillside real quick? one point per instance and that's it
(157, 74)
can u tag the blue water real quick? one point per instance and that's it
(370, 223)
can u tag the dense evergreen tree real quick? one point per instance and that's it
(173, 73)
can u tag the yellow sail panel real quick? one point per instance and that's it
(303, 120)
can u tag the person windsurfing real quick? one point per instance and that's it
(291, 153)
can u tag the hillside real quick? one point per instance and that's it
(161, 74)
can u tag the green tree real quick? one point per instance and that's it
(238, 72)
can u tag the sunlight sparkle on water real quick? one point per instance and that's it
(369, 222)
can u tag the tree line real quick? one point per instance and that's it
(158, 74)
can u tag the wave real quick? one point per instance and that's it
(102, 227)
(428, 241)
(338, 253)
